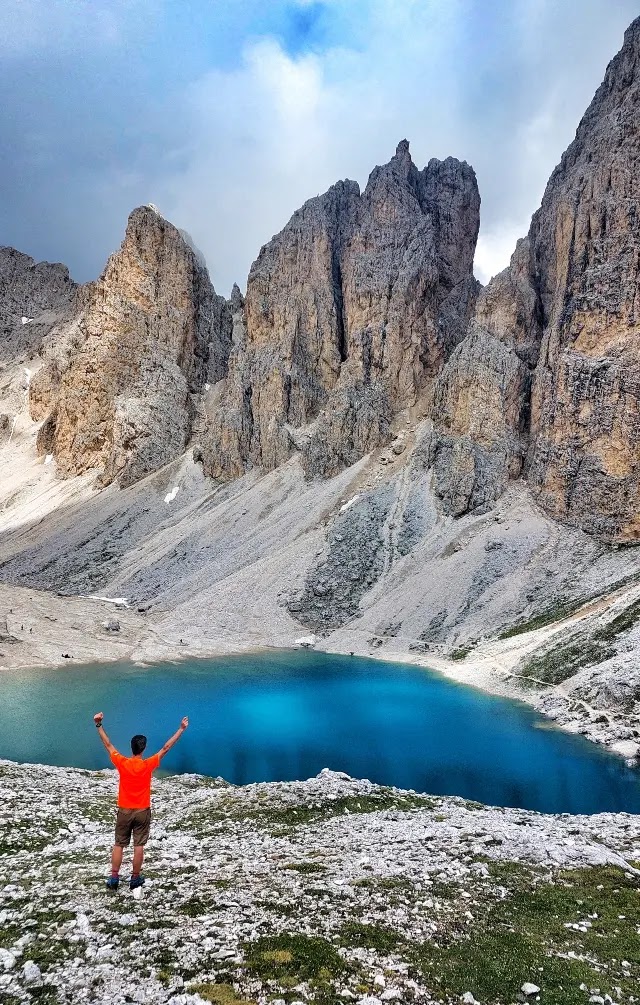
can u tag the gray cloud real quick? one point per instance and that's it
(93, 127)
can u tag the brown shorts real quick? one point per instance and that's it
(136, 822)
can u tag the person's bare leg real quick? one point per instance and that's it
(138, 857)
(116, 859)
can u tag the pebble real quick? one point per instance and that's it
(529, 989)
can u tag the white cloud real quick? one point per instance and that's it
(279, 129)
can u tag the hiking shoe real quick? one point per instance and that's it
(136, 881)
(112, 883)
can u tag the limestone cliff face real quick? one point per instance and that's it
(33, 297)
(350, 312)
(482, 396)
(547, 381)
(118, 383)
(585, 421)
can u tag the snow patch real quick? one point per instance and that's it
(170, 496)
(118, 601)
(349, 503)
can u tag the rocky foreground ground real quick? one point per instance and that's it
(329, 890)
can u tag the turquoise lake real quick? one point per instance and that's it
(284, 714)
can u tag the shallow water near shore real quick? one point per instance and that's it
(283, 715)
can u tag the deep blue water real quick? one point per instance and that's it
(287, 714)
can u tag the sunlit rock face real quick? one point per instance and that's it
(547, 381)
(350, 312)
(117, 386)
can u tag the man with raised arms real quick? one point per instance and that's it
(134, 799)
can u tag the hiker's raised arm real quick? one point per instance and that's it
(98, 717)
(173, 739)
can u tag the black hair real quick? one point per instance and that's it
(138, 743)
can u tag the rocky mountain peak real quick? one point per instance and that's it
(550, 362)
(118, 386)
(350, 311)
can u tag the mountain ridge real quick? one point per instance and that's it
(367, 445)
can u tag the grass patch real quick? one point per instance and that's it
(220, 994)
(556, 612)
(194, 907)
(623, 622)
(525, 938)
(462, 651)
(100, 811)
(580, 650)
(280, 907)
(379, 937)
(290, 955)
(280, 819)
(381, 799)
(305, 867)
(562, 660)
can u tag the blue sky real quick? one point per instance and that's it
(229, 115)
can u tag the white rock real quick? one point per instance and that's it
(307, 641)
(529, 989)
(370, 1000)
(128, 919)
(468, 998)
(7, 959)
(31, 973)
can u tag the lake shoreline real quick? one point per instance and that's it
(44, 625)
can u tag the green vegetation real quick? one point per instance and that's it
(623, 622)
(28, 834)
(378, 937)
(283, 908)
(556, 612)
(301, 957)
(194, 907)
(279, 819)
(220, 994)
(564, 607)
(101, 810)
(525, 938)
(462, 651)
(562, 660)
(305, 867)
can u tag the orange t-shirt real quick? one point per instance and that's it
(134, 792)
